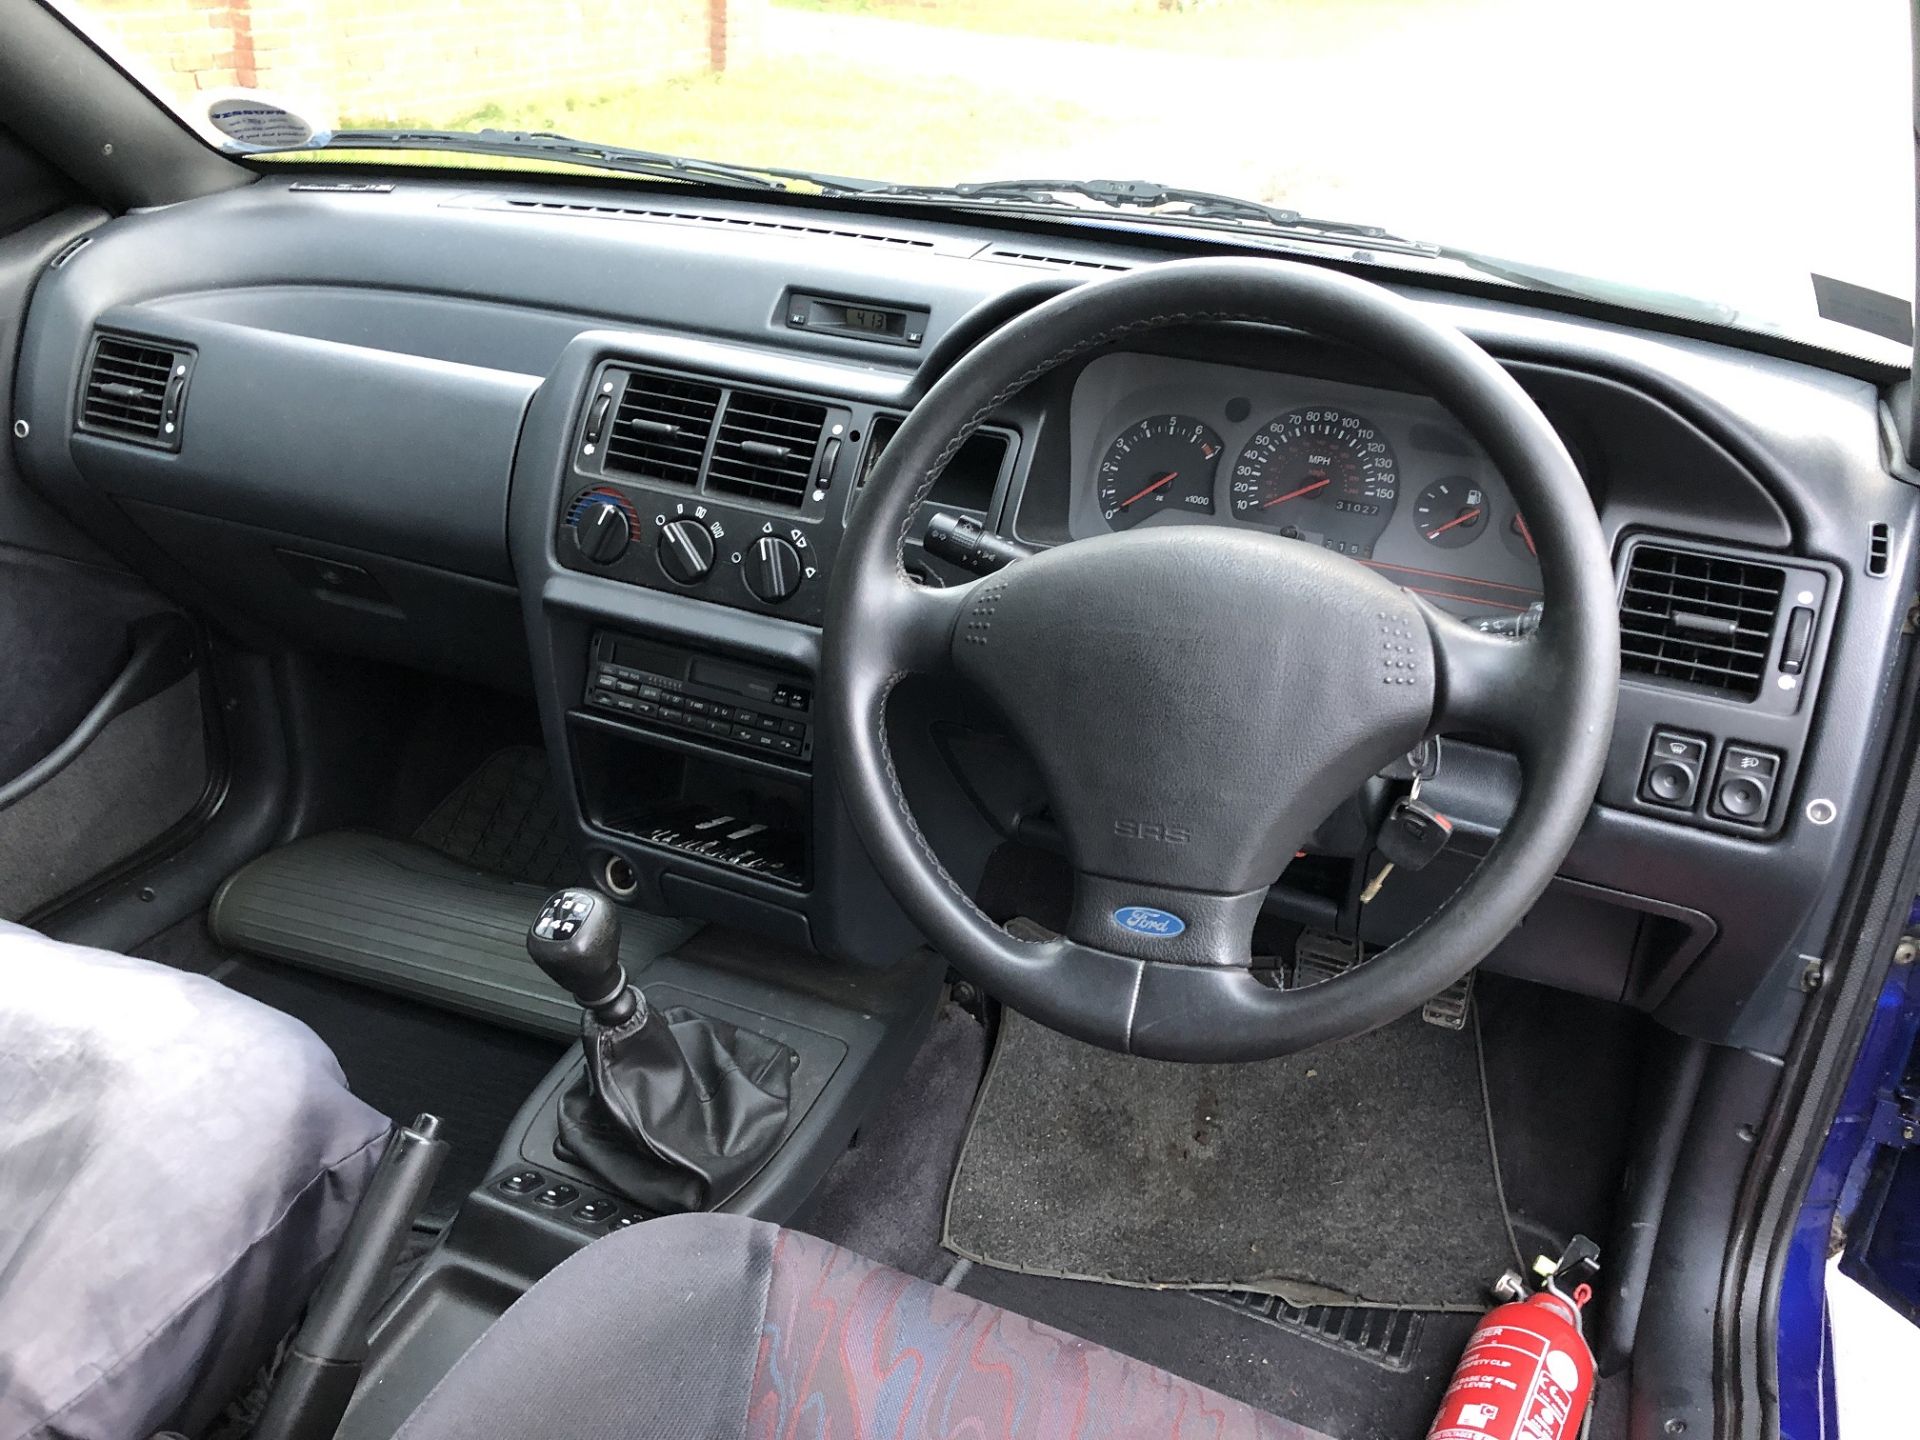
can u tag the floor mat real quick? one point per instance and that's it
(504, 819)
(1242, 1355)
(1360, 1172)
(403, 1058)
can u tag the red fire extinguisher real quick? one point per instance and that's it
(1527, 1373)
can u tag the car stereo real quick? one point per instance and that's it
(724, 702)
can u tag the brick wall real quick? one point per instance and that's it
(423, 60)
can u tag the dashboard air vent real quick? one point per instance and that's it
(766, 447)
(1704, 620)
(661, 427)
(1053, 262)
(716, 220)
(134, 390)
(1879, 548)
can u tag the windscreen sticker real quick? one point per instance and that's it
(255, 123)
(1869, 310)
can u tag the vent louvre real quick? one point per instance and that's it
(661, 427)
(1053, 262)
(1702, 620)
(1879, 548)
(134, 390)
(766, 448)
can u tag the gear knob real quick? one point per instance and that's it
(576, 940)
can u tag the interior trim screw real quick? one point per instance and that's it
(1904, 952)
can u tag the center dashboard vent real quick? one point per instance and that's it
(1699, 619)
(660, 429)
(135, 390)
(767, 447)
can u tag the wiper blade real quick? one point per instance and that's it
(541, 144)
(1172, 201)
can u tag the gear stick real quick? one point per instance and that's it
(674, 1110)
(576, 940)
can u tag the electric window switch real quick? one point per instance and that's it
(556, 1196)
(592, 1212)
(523, 1181)
(1671, 775)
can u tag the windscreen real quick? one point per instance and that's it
(1757, 154)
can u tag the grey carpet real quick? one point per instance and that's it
(504, 819)
(1359, 1172)
(884, 1197)
(141, 776)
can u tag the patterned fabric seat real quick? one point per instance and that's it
(715, 1326)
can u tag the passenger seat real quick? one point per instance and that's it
(178, 1164)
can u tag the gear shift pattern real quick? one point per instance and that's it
(674, 1110)
(576, 940)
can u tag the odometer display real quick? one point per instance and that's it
(1320, 475)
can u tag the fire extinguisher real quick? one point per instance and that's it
(1527, 1372)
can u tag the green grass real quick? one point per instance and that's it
(1219, 27)
(850, 122)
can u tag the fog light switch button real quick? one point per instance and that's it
(1743, 786)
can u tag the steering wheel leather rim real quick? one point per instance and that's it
(1550, 696)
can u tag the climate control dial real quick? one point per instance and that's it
(772, 569)
(685, 548)
(603, 525)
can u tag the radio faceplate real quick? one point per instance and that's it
(722, 702)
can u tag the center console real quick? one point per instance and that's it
(678, 508)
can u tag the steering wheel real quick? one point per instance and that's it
(1199, 698)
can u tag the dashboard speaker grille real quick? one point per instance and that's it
(661, 427)
(1698, 619)
(134, 391)
(766, 448)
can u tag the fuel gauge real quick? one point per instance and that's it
(1451, 513)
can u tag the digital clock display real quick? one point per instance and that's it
(877, 322)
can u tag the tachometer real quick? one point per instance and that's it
(1156, 466)
(1320, 475)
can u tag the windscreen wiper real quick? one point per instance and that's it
(1172, 201)
(541, 144)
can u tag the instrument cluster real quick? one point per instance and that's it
(1383, 476)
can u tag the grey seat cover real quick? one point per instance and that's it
(177, 1165)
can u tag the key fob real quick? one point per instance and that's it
(1413, 834)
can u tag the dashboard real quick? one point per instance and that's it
(1383, 476)
(589, 447)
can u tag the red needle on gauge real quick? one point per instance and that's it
(1461, 519)
(1166, 479)
(1296, 494)
(1520, 528)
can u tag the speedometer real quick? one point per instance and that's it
(1320, 475)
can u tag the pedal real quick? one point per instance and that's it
(1318, 956)
(1448, 1009)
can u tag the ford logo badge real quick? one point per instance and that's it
(1145, 920)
